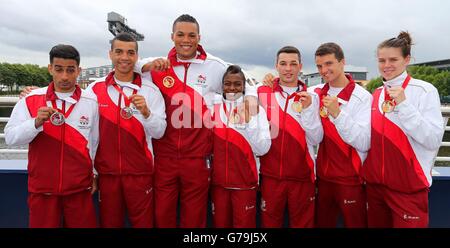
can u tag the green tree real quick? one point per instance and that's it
(14, 75)
(373, 84)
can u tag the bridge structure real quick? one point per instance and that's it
(118, 24)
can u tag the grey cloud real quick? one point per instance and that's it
(243, 32)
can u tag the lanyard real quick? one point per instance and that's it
(126, 100)
(63, 108)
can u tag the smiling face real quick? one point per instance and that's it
(391, 62)
(233, 86)
(186, 37)
(329, 67)
(64, 73)
(124, 56)
(288, 67)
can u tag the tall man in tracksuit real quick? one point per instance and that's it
(60, 124)
(131, 115)
(345, 115)
(288, 174)
(188, 87)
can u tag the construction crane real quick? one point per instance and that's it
(118, 24)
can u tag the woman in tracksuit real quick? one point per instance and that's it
(407, 129)
(237, 138)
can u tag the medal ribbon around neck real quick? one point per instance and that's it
(126, 100)
(231, 114)
(125, 112)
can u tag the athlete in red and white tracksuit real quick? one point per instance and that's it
(344, 147)
(235, 172)
(404, 144)
(124, 157)
(188, 87)
(60, 168)
(288, 172)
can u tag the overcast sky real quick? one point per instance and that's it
(245, 32)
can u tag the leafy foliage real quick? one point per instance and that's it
(14, 75)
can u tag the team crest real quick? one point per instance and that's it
(201, 79)
(84, 121)
(168, 82)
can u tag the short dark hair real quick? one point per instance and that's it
(64, 52)
(290, 49)
(124, 37)
(185, 18)
(402, 41)
(330, 48)
(234, 69)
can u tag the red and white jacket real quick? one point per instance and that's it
(125, 146)
(346, 138)
(59, 157)
(291, 156)
(405, 142)
(188, 88)
(236, 145)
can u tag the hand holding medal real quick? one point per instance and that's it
(330, 106)
(393, 96)
(302, 100)
(140, 104)
(43, 115)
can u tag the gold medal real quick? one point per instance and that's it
(297, 106)
(57, 119)
(168, 82)
(388, 106)
(323, 112)
(126, 113)
(235, 118)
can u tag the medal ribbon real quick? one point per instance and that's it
(296, 97)
(227, 114)
(126, 100)
(387, 97)
(63, 108)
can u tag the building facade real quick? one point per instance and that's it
(359, 74)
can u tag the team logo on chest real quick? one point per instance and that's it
(201, 79)
(168, 82)
(83, 122)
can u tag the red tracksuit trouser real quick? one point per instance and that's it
(233, 208)
(131, 194)
(298, 196)
(51, 211)
(186, 179)
(389, 208)
(334, 199)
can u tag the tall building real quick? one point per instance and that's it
(359, 74)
